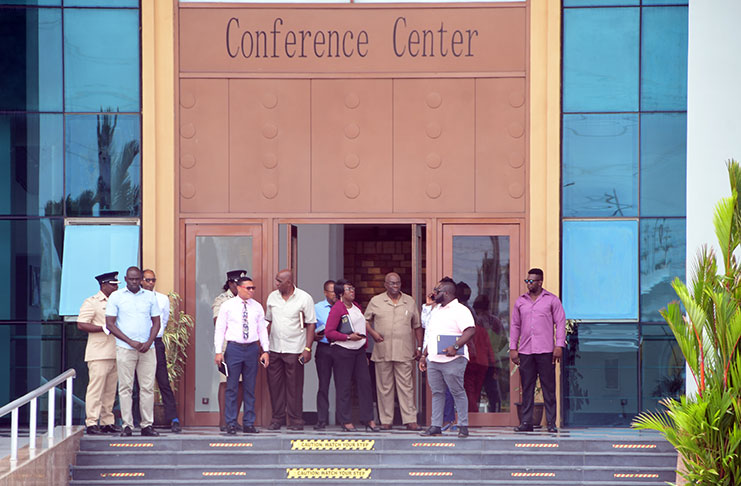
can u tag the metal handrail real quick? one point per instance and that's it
(31, 398)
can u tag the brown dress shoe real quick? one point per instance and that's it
(385, 426)
(412, 426)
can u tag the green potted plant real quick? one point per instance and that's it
(705, 428)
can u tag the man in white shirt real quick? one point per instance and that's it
(163, 379)
(133, 316)
(241, 323)
(291, 323)
(448, 318)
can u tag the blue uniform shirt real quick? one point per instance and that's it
(321, 309)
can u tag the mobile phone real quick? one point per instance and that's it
(262, 362)
(301, 359)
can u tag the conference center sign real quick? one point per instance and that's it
(353, 39)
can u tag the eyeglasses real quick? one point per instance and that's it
(349, 289)
(529, 280)
(248, 287)
(150, 280)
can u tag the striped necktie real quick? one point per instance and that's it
(245, 322)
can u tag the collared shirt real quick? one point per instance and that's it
(287, 319)
(451, 319)
(100, 345)
(321, 309)
(164, 302)
(220, 299)
(229, 324)
(396, 323)
(133, 312)
(531, 330)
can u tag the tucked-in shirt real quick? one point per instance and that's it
(287, 319)
(450, 320)
(100, 345)
(396, 323)
(357, 320)
(220, 299)
(164, 302)
(321, 309)
(531, 330)
(229, 324)
(133, 312)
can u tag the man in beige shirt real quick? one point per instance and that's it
(100, 355)
(393, 322)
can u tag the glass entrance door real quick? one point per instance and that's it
(484, 260)
(211, 250)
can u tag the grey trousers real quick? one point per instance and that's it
(451, 374)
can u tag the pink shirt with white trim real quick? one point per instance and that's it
(451, 319)
(531, 329)
(229, 324)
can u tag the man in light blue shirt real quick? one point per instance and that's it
(133, 317)
(323, 355)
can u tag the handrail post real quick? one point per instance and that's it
(68, 405)
(32, 426)
(50, 418)
(13, 436)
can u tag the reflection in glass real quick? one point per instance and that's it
(663, 164)
(31, 161)
(215, 255)
(101, 60)
(664, 58)
(103, 165)
(600, 165)
(481, 268)
(601, 369)
(101, 3)
(662, 367)
(31, 59)
(30, 269)
(663, 247)
(600, 59)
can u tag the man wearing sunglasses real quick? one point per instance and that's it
(531, 346)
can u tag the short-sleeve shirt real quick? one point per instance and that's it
(99, 344)
(164, 302)
(396, 323)
(133, 313)
(287, 319)
(321, 309)
(220, 299)
(451, 319)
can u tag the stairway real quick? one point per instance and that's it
(488, 457)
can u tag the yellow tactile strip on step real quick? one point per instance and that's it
(328, 473)
(332, 445)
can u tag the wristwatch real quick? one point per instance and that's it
(456, 347)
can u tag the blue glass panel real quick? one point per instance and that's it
(665, 2)
(30, 269)
(600, 165)
(90, 250)
(101, 60)
(662, 366)
(31, 165)
(663, 255)
(600, 258)
(663, 164)
(602, 369)
(664, 59)
(599, 3)
(103, 167)
(101, 3)
(31, 59)
(31, 2)
(600, 59)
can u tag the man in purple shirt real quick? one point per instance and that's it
(531, 346)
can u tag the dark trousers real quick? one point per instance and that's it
(541, 366)
(323, 359)
(352, 365)
(241, 359)
(163, 384)
(286, 386)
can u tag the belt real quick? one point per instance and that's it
(235, 343)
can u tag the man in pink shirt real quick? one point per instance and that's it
(241, 322)
(531, 346)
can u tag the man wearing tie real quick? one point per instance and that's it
(241, 323)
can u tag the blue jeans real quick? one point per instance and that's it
(241, 359)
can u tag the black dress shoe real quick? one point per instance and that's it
(552, 429)
(274, 426)
(295, 427)
(250, 429)
(175, 427)
(126, 432)
(222, 428)
(94, 430)
(110, 429)
(432, 431)
(149, 431)
(320, 426)
(231, 429)
(524, 427)
(462, 431)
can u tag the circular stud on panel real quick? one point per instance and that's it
(188, 130)
(516, 99)
(352, 190)
(516, 159)
(352, 131)
(269, 100)
(352, 100)
(352, 161)
(187, 190)
(270, 160)
(187, 100)
(434, 100)
(269, 190)
(433, 190)
(433, 130)
(515, 129)
(516, 190)
(187, 161)
(269, 131)
(433, 160)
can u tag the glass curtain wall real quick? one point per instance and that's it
(623, 175)
(70, 146)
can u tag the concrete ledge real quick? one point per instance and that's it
(46, 466)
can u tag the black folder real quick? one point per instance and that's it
(445, 341)
(223, 369)
(345, 326)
